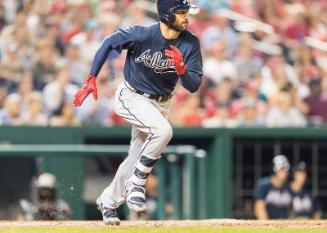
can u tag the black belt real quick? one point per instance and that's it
(159, 98)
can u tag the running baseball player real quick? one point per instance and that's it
(157, 57)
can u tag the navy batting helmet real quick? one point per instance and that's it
(167, 9)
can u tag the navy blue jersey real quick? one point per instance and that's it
(278, 200)
(304, 204)
(146, 66)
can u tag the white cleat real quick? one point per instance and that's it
(110, 216)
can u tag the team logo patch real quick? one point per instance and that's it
(156, 62)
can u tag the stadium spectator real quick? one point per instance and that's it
(251, 107)
(44, 69)
(247, 64)
(33, 114)
(35, 35)
(248, 115)
(285, 113)
(24, 87)
(272, 197)
(218, 60)
(11, 67)
(218, 106)
(136, 14)
(316, 103)
(304, 205)
(65, 116)
(190, 113)
(220, 30)
(76, 64)
(10, 114)
(56, 92)
(200, 23)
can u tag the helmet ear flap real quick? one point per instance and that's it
(168, 18)
(171, 18)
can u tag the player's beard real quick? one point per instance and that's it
(179, 26)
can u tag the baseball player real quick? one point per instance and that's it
(304, 204)
(157, 57)
(271, 195)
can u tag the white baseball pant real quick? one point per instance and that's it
(151, 132)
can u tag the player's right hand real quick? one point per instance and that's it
(88, 87)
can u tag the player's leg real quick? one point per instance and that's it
(145, 115)
(113, 195)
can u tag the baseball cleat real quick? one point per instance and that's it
(135, 197)
(110, 216)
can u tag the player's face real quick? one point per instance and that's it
(181, 21)
(282, 174)
(300, 177)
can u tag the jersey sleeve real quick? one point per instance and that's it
(259, 192)
(119, 40)
(192, 78)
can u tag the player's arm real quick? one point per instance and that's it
(259, 195)
(260, 210)
(190, 68)
(119, 40)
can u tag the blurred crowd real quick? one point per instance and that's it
(264, 61)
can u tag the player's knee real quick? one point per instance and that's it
(165, 132)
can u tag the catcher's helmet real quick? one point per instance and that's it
(167, 9)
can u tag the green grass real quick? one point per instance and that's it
(155, 230)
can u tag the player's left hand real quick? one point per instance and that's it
(176, 57)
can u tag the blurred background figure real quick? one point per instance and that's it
(271, 195)
(137, 14)
(304, 205)
(285, 113)
(45, 201)
(10, 114)
(58, 91)
(33, 114)
(316, 102)
(66, 116)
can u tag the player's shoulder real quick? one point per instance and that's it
(145, 29)
(189, 36)
(264, 181)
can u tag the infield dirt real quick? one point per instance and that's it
(279, 224)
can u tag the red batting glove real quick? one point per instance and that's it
(176, 57)
(88, 87)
